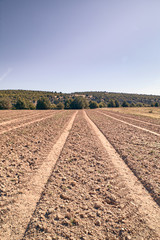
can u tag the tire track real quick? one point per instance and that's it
(25, 204)
(147, 207)
(144, 129)
(25, 124)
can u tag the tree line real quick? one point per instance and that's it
(25, 99)
(70, 103)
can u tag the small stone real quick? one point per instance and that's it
(128, 237)
(68, 216)
(64, 197)
(81, 215)
(58, 216)
(65, 222)
(73, 184)
(48, 238)
(98, 223)
(50, 210)
(97, 205)
(98, 213)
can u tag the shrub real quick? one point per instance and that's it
(60, 105)
(93, 104)
(31, 106)
(125, 104)
(20, 104)
(132, 105)
(43, 103)
(5, 103)
(53, 106)
(102, 105)
(79, 103)
(156, 104)
(139, 104)
(68, 103)
(117, 104)
(111, 103)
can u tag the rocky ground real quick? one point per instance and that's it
(22, 153)
(85, 198)
(23, 120)
(144, 122)
(139, 149)
(7, 115)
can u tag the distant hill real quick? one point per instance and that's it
(121, 97)
(99, 97)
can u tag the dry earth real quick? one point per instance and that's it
(148, 123)
(24, 121)
(7, 115)
(22, 152)
(142, 112)
(139, 149)
(85, 196)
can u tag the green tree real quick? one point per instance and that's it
(5, 103)
(125, 104)
(111, 103)
(68, 103)
(53, 106)
(60, 105)
(93, 104)
(43, 103)
(132, 105)
(117, 104)
(156, 104)
(139, 104)
(79, 103)
(21, 104)
(31, 106)
(102, 105)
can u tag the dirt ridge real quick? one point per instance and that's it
(144, 129)
(118, 115)
(25, 204)
(147, 206)
(25, 124)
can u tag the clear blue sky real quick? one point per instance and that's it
(80, 45)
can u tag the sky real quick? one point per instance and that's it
(80, 45)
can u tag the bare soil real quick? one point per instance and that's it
(139, 149)
(23, 121)
(85, 197)
(148, 123)
(7, 115)
(22, 152)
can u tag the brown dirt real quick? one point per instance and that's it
(142, 198)
(18, 123)
(20, 118)
(136, 120)
(85, 197)
(139, 149)
(22, 153)
(24, 205)
(7, 115)
(128, 123)
(90, 193)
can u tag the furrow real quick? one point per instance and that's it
(147, 207)
(24, 205)
(25, 124)
(144, 129)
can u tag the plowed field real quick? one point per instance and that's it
(78, 175)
